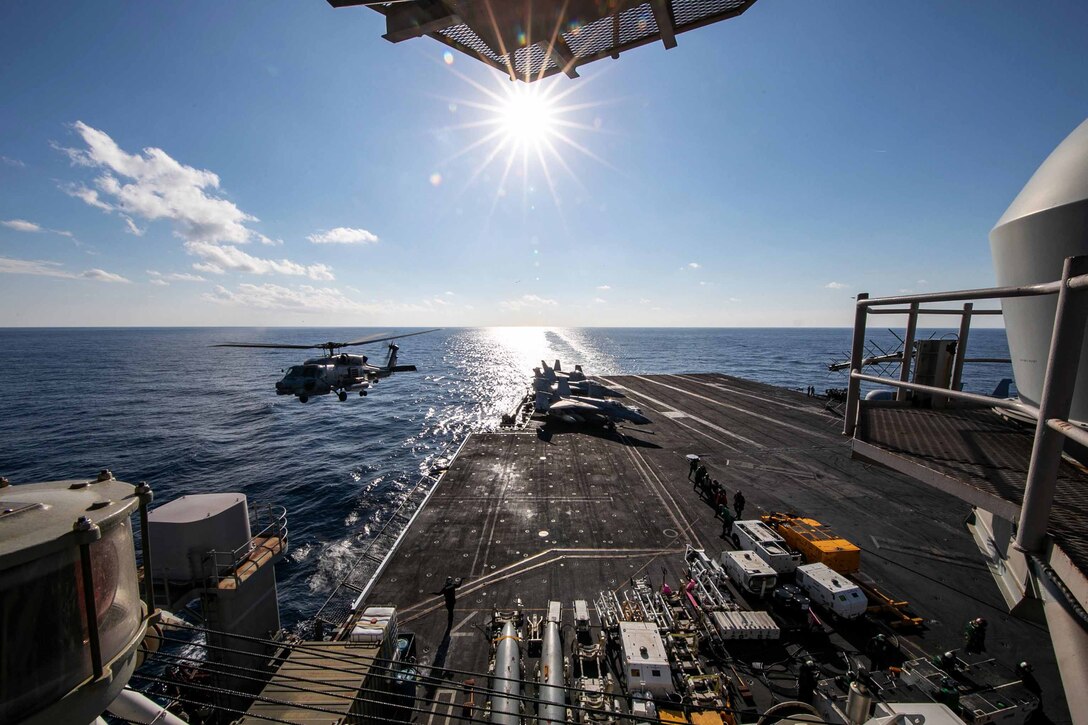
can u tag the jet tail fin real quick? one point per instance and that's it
(563, 388)
(558, 366)
(542, 402)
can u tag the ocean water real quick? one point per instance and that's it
(163, 405)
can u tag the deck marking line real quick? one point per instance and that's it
(558, 554)
(704, 434)
(647, 471)
(702, 421)
(769, 419)
(737, 391)
(497, 511)
(462, 623)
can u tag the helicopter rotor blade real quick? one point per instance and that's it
(267, 345)
(381, 337)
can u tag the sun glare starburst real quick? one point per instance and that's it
(526, 116)
(524, 130)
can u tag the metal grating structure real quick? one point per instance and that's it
(533, 40)
(976, 448)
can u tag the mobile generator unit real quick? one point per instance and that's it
(832, 591)
(754, 535)
(749, 572)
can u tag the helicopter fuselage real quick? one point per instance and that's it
(340, 374)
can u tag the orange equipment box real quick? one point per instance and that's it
(816, 542)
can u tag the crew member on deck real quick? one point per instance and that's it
(738, 504)
(449, 591)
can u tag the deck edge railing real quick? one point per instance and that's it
(1052, 413)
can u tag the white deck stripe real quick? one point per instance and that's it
(691, 416)
(746, 411)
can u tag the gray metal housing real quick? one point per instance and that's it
(1047, 222)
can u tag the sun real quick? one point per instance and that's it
(519, 134)
(526, 116)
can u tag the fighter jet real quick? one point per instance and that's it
(556, 401)
(577, 380)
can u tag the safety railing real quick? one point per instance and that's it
(271, 537)
(1052, 413)
(353, 587)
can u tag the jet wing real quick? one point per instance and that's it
(567, 405)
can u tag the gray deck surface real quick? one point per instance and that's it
(978, 448)
(564, 514)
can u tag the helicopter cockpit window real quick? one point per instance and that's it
(310, 371)
(295, 370)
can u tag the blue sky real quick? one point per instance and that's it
(279, 163)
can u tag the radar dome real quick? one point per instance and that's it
(1046, 222)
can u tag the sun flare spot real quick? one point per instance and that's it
(527, 116)
(521, 134)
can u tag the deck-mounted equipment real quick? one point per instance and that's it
(552, 670)
(204, 547)
(71, 615)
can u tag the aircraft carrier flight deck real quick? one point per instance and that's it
(546, 513)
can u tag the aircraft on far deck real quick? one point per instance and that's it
(577, 380)
(554, 396)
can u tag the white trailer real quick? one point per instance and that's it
(749, 572)
(831, 590)
(754, 535)
(645, 662)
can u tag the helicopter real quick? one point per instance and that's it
(335, 372)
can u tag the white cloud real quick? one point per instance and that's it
(604, 287)
(922, 282)
(599, 301)
(87, 196)
(152, 186)
(693, 265)
(734, 299)
(22, 225)
(218, 259)
(40, 268)
(527, 301)
(102, 276)
(449, 294)
(343, 235)
(835, 285)
(277, 297)
(13, 162)
(132, 228)
(165, 279)
(645, 301)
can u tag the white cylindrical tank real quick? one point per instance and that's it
(506, 682)
(1047, 222)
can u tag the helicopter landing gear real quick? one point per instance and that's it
(303, 398)
(362, 393)
(342, 395)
